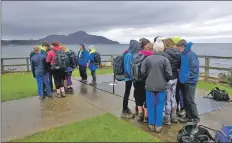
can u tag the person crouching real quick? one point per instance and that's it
(92, 65)
(40, 73)
(157, 70)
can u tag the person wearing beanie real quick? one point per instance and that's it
(83, 55)
(176, 39)
(173, 55)
(157, 71)
(188, 76)
(92, 65)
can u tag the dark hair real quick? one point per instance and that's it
(144, 43)
(182, 43)
(156, 38)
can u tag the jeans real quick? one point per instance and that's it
(155, 105)
(171, 106)
(93, 73)
(68, 77)
(41, 81)
(83, 73)
(188, 92)
(128, 85)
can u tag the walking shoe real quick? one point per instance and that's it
(166, 120)
(174, 118)
(71, 90)
(84, 81)
(58, 95)
(66, 90)
(185, 120)
(145, 119)
(152, 127)
(49, 95)
(127, 114)
(63, 94)
(140, 117)
(182, 113)
(158, 129)
(41, 97)
(93, 83)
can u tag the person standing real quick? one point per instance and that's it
(188, 76)
(39, 71)
(173, 55)
(157, 71)
(92, 65)
(134, 48)
(83, 55)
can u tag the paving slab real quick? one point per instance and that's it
(27, 116)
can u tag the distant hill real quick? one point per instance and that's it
(73, 38)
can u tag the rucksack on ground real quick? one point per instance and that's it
(191, 133)
(224, 135)
(73, 59)
(118, 68)
(219, 95)
(61, 61)
(136, 67)
(97, 58)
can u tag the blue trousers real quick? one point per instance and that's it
(41, 81)
(155, 105)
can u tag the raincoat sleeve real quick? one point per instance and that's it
(33, 68)
(194, 68)
(167, 70)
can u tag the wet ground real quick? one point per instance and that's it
(26, 116)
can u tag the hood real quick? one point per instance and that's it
(57, 48)
(134, 47)
(83, 46)
(146, 53)
(92, 51)
(188, 47)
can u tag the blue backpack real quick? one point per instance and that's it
(224, 135)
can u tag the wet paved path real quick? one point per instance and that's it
(26, 116)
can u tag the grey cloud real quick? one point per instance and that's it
(38, 19)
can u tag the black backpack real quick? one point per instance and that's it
(219, 95)
(61, 61)
(118, 68)
(73, 59)
(136, 67)
(97, 58)
(191, 133)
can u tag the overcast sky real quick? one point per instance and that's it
(197, 21)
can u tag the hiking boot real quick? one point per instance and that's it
(145, 119)
(127, 114)
(49, 95)
(152, 127)
(140, 117)
(42, 97)
(185, 120)
(58, 95)
(166, 120)
(93, 83)
(63, 94)
(174, 118)
(158, 129)
(71, 90)
(84, 81)
(66, 90)
(182, 113)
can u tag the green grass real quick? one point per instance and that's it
(21, 85)
(104, 128)
(209, 86)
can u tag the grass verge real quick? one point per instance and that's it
(104, 128)
(21, 85)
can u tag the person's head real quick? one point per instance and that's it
(155, 39)
(148, 47)
(36, 49)
(176, 39)
(91, 48)
(181, 45)
(168, 43)
(158, 46)
(144, 42)
(63, 47)
(82, 47)
(54, 44)
(141, 39)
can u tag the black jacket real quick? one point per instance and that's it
(173, 55)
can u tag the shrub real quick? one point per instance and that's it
(227, 77)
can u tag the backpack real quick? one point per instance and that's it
(191, 133)
(118, 68)
(224, 135)
(73, 59)
(219, 95)
(61, 60)
(97, 58)
(136, 67)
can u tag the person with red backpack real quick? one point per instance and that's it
(58, 61)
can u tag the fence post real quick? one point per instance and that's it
(2, 66)
(112, 59)
(206, 68)
(27, 61)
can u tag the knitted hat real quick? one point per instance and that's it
(176, 39)
(158, 46)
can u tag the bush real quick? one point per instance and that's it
(227, 77)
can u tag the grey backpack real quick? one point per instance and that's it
(136, 67)
(61, 61)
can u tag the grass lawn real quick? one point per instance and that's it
(22, 85)
(104, 128)
(209, 86)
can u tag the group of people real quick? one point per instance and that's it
(169, 75)
(58, 62)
